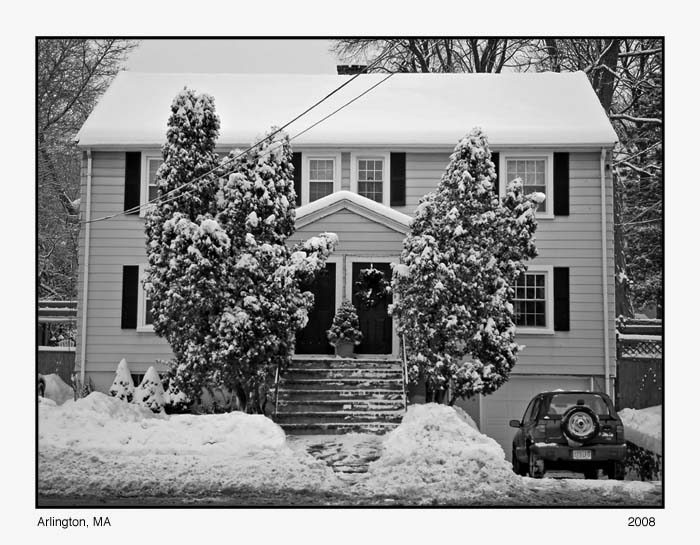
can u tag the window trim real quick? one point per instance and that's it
(385, 156)
(146, 156)
(306, 158)
(548, 156)
(141, 325)
(548, 329)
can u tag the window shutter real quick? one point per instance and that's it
(296, 161)
(561, 298)
(561, 184)
(496, 159)
(130, 296)
(132, 181)
(398, 179)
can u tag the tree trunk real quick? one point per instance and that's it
(603, 79)
(623, 301)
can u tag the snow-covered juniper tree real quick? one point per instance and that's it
(123, 385)
(150, 393)
(459, 263)
(225, 286)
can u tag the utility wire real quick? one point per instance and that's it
(228, 160)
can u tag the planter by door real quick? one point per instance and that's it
(375, 322)
(312, 339)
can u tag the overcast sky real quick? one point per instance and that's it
(246, 56)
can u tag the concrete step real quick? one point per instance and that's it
(342, 373)
(353, 417)
(341, 384)
(341, 363)
(326, 405)
(338, 395)
(337, 428)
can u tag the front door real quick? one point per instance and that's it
(375, 322)
(312, 339)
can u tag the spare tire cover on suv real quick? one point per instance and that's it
(580, 423)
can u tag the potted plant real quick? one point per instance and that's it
(345, 332)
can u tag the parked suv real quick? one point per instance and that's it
(574, 430)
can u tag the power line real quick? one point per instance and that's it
(228, 160)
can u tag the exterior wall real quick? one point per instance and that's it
(573, 241)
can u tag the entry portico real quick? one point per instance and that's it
(370, 234)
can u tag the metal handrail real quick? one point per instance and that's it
(277, 386)
(405, 372)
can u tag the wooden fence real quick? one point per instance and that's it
(640, 364)
(56, 359)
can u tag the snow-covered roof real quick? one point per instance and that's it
(408, 110)
(347, 199)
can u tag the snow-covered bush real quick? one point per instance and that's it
(56, 390)
(346, 325)
(123, 385)
(225, 286)
(150, 393)
(459, 263)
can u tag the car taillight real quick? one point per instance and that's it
(620, 429)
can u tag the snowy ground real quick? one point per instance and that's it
(100, 450)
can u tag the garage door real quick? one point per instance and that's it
(510, 401)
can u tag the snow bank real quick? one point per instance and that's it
(643, 427)
(438, 452)
(102, 445)
(57, 390)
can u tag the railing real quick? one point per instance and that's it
(277, 387)
(405, 372)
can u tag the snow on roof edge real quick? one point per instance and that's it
(359, 200)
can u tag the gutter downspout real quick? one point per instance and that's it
(604, 255)
(86, 269)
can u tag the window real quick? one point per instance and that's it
(370, 178)
(153, 165)
(533, 301)
(150, 163)
(321, 178)
(536, 172)
(144, 313)
(320, 175)
(370, 173)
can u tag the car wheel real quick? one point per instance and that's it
(580, 424)
(518, 467)
(616, 470)
(590, 473)
(535, 466)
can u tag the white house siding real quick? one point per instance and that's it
(572, 241)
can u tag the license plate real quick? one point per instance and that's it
(582, 455)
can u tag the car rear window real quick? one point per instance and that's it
(560, 403)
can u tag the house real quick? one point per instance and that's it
(360, 173)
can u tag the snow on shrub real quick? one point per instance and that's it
(123, 385)
(346, 325)
(150, 393)
(57, 390)
(437, 452)
(643, 427)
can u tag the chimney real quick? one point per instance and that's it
(351, 69)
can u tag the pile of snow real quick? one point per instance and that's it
(56, 390)
(102, 445)
(438, 452)
(643, 427)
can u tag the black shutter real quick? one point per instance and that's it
(132, 181)
(398, 179)
(561, 298)
(495, 158)
(130, 296)
(296, 161)
(561, 184)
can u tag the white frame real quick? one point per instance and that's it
(305, 171)
(385, 156)
(548, 156)
(146, 156)
(349, 260)
(141, 325)
(549, 301)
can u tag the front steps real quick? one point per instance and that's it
(323, 396)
